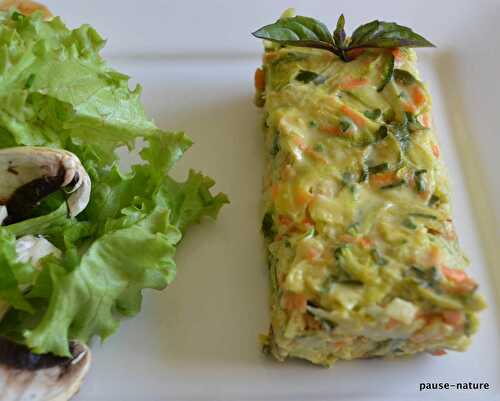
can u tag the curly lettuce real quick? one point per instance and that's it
(57, 91)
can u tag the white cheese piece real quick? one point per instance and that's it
(401, 310)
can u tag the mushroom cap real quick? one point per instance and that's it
(25, 376)
(30, 173)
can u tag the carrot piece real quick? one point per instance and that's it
(303, 197)
(391, 324)
(455, 275)
(396, 52)
(315, 155)
(307, 221)
(410, 108)
(356, 118)
(270, 56)
(297, 140)
(293, 301)
(275, 191)
(453, 317)
(462, 282)
(313, 254)
(426, 120)
(434, 256)
(418, 96)
(288, 172)
(353, 83)
(424, 195)
(311, 322)
(383, 179)
(260, 80)
(438, 352)
(347, 238)
(335, 131)
(435, 150)
(365, 242)
(285, 220)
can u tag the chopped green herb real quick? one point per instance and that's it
(386, 74)
(319, 147)
(402, 135)
(412, 122)
(345, 125)
(429, 276)
(289, 58)
(313, 124)
(268, 226)
(403, 95)
(29, 81)
(328, 325)
(419, 180)
(363, 177)
(378, 168)
(378, 258)
(403, 77)
(310, 76)
(16, 16)
(276, 144)
(423, 216)
(354, 283)
(467, 326)
(288, 244)
(409, 223)
(382, 132)
(394, 185)
(373, 114)
(353, 228)
(433, 200)
(337, 252)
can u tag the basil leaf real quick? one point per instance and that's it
(386, 34)
(339, 36)
(303, 31)
(373, 114)
(310, 76)
(297, 31)
(379, 168)
(387, 74)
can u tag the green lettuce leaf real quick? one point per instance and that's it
(56, 90)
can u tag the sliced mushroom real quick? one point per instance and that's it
(3, 214)
(32, 249)
(25, 376)
(29, 174)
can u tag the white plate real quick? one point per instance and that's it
(198, 339)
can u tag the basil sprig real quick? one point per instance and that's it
(308, 32)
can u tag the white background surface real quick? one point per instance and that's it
(198, 339)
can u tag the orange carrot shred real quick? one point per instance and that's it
(260, 81)
(418, 96)
(356, 118)
(353, 83)
(293, 301)
(435, 150)
(335, 131)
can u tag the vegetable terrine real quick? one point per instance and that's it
(363, 256)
